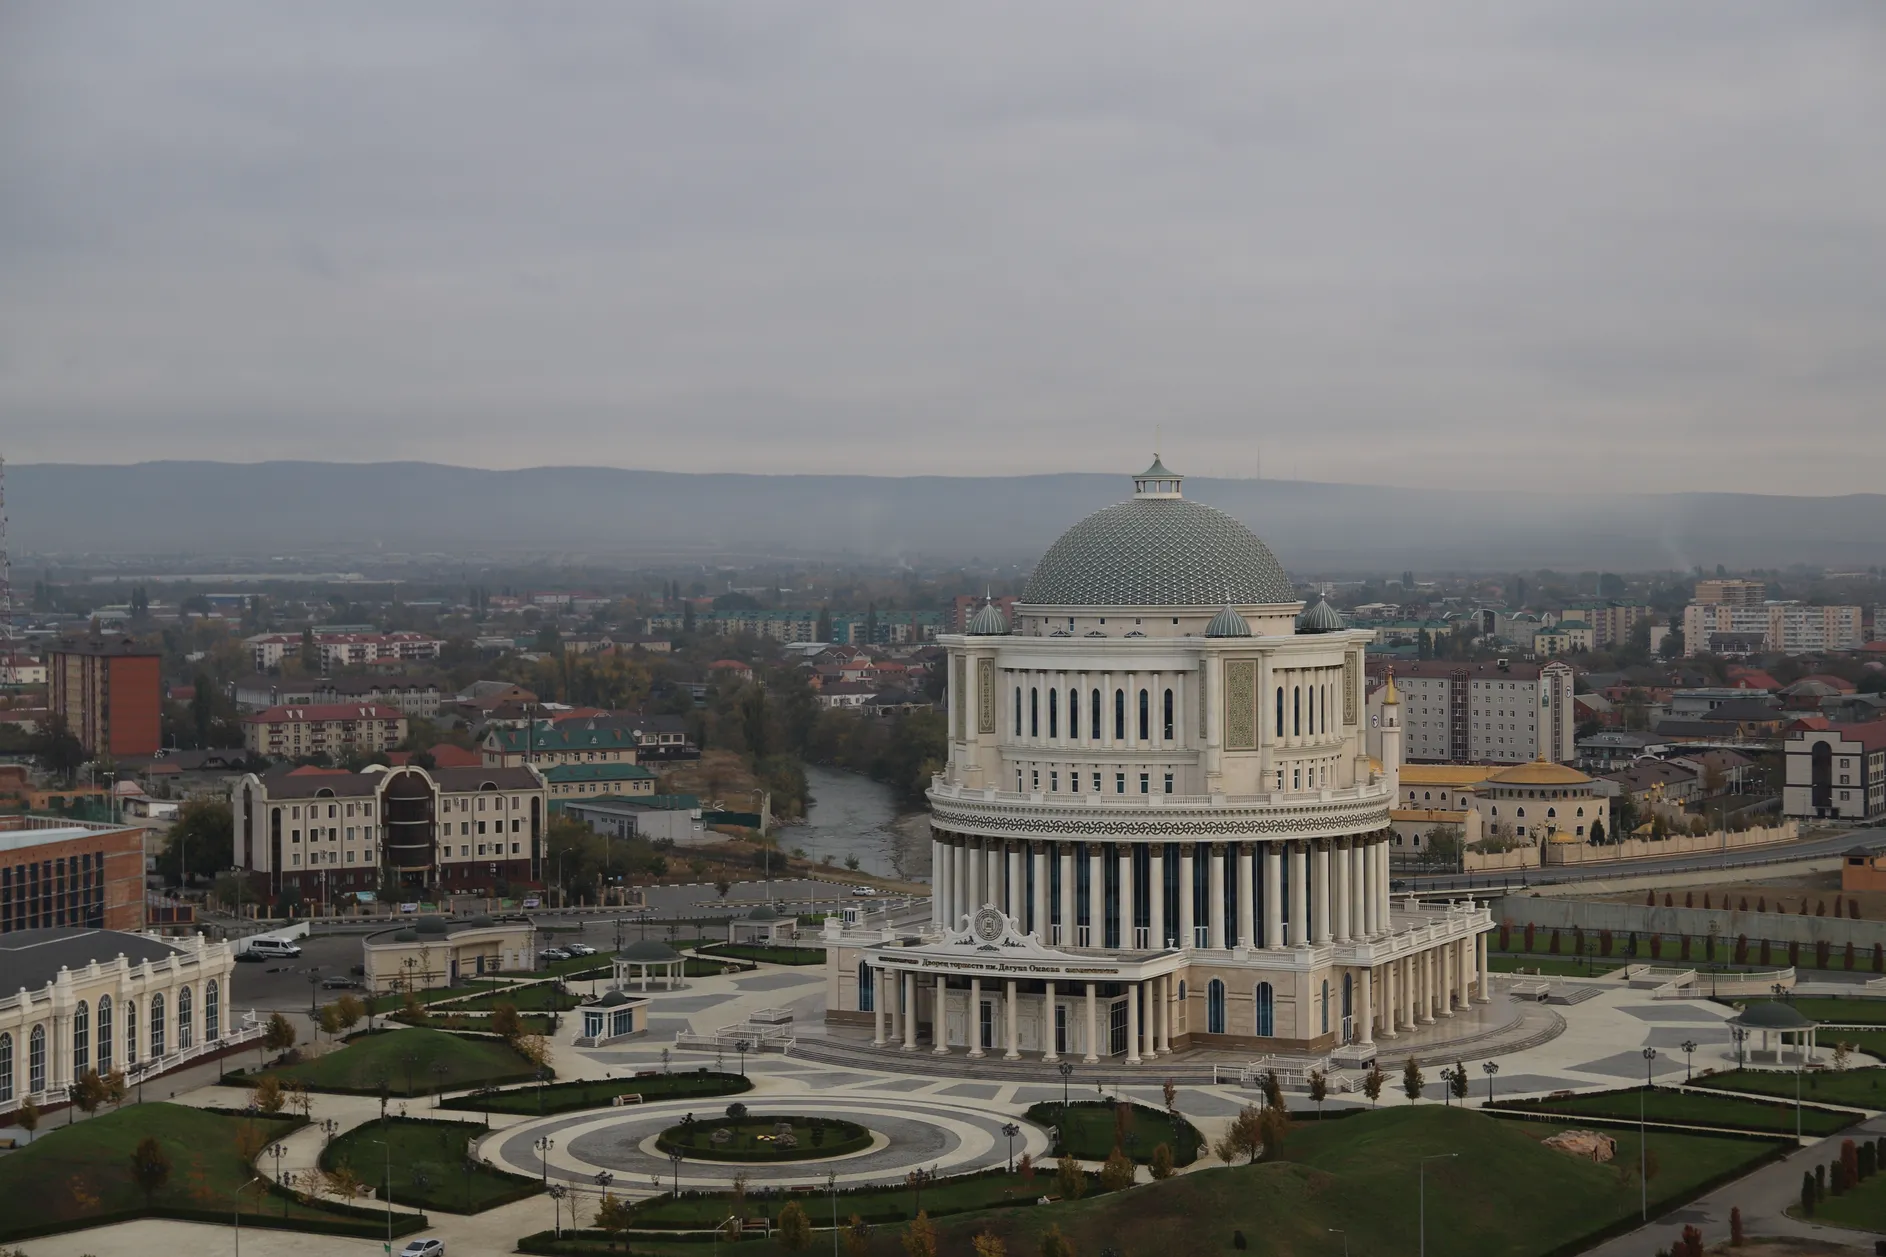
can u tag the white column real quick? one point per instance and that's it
(1339, 870)
(975, 1016)
(1156, 893)
(1124, 861)
(1047, 1029)
(1320, 886)
(879, 998)
(1012, 1023)
(1481, 991)
(1132, 1023)
(939, 881)
(1067, 894)
(1096, 898)
(1016, 886)
(939, 1016)
(910, 1012)
(1215, 888)
(1384, 896)
(992, 852)
(1247, 896)
(1299, 895)
(1166, 990)
(972, 874)
(1149, 1017)
(1367, 1006)
(1092, 1042)
(959, 891)
(894, 994)
(1187, 934)
(1273, 896)
(1359, 888)
(1038, 863)
(1426, 979)
(1371, 918)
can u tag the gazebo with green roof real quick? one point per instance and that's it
(1781, 1026)
(646, 958)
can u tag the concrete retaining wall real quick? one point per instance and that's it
(1554, 855)
(1623, 918)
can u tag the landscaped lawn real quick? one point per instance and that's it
(1695, 1109)
(563, 1097)
(1550, 966)
(1853, 1012)
(875, 1205)
(537, 997)
(405, 1060)
(770, 955)
(758, 1138)
(81, 1174)
(1501, 1195)
(1872, 1042)
(1862, 1207)
(1088, 1130)
(1861, 1088)
(429, 1164)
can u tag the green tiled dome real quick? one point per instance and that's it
(1158, 552)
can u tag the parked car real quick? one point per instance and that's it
(246, 957)
(274, 948)
(864, 892)
(340, 983)
(579, 949)
(553, 953)
(423, 1248)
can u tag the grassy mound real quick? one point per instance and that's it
(430, 1164)
(412, 1062)
(772, 955)
(755, 1138)
(79, 1176)
(1861, 1088)
(1090, 1128)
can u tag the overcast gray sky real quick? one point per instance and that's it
(1638, 245)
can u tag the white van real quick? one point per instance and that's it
(273, 948)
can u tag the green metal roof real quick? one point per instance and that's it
(571, 736)
(558, 774)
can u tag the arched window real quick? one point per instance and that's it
(130, 1032)
(1074, 714)
(1296, 710)
(1145, 717)
(81, 1039)
(157, 1026)
(1054, 713)
(1551, 813)
(186, 1022)
(1581, 811)
(1280, 711)
(1522, 813)
(1119, 715)
(104, 1034)
(1168, 719)
(212, 1011)
(1034, 712)
(36, 1061)
(6, 1068)
(1018, 711)
(1325, 1004)
(1094, 724)
(1215, 1007)
(867, 989)
(1266, 1011)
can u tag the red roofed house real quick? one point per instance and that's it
(329, 728)
(731, 667)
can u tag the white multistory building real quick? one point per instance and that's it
(1159, 827)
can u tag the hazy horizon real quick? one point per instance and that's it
(1625, 247)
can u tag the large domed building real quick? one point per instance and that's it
(1159, 828)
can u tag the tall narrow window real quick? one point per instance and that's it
(6, 1068)
(186, 1021)
(1018, 711)
(104, 1034)
(1073, 715)
(1034, 712)
(212, 1011)
(81, 1038)
(1054, 713)
(1119, 715)
(1168, 718)
(1215, 1007)
(130, 1032)
(36, 1061)
(1280, 712)
(1266, 1011)
(1296, 710)
(157, 1026)
(1094, 722)
(1145, 717)
(867, 989)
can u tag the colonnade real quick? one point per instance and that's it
(1285, 893)
(1150, 1014)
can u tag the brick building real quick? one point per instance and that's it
(109, 693)
(331, 728)
(71, 874)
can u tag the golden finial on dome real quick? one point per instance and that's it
(1391, 697)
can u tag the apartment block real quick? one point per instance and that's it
(1498, 712)
(330, 728)
(1730, 593)
(109, 693)
(1789, 627)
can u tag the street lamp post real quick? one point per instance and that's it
(236, 1213)
(543, 1144)
(556, 1195)
(386, 1188)
(674, 1159)
(1490, 1068)
(743, 1047)
(1011, 1130)
(831, 1188)
(1423, 1173)
(1336, 1230)
(1643, 1141)
(1066, 1070)
(1688, 1046)
(1447, 1086)
(1740, 1035)
(732, 1217)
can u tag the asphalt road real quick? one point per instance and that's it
(1749, 858)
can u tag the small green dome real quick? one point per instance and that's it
(763, 913)
(647, 950)
(406, 936)
(989, 622)
(432, 925)
(1321, 618)
(1228, 623)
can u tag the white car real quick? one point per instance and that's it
(553, 953)
(864, 892)
(423, 1248)
(579, 949)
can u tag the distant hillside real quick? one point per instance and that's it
(275, 508)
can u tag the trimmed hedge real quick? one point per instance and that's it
(594, 1093)
(370, 1226)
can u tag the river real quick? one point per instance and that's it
(852, 815)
